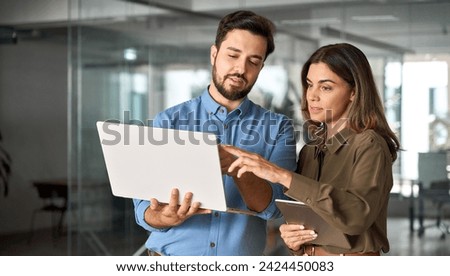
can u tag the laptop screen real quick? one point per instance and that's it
(145, 162)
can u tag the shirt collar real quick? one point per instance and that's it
(339, 140)
(213, 107)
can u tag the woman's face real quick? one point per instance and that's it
(328, 96)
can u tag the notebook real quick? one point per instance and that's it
(146, 162)
(296, 212)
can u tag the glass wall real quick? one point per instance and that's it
(111, 76)
(128, 65)
(129, 60)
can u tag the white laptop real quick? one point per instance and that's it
(145, 162)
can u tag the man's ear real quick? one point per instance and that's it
(213, 54)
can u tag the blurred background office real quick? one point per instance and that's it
(65, 64)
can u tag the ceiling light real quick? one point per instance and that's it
(375, 18)
(130, 54)
(311, 21)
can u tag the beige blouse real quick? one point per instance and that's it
(351, 190)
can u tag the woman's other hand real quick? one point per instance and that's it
(294, 235)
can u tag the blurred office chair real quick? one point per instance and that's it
(433, 195)
(435, 199)
(54, 201)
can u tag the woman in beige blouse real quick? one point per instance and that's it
(344, 171)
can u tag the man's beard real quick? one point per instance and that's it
(231, 94)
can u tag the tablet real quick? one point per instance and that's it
(145, 162)
(296, 212)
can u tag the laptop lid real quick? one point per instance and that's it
(145, 162)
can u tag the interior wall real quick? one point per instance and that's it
(33, 122)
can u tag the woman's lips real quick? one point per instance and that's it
(313, 109)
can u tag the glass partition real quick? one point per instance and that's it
(127, 62)
(114, 74)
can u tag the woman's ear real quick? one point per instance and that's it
(352, 95)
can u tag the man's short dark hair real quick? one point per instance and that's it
(248, 21)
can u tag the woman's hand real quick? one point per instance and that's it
(252, 162)
(294, 235)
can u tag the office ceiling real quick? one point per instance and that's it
(379, 26)
(402, 26)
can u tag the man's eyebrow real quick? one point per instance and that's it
(234, 49)
(240, 51)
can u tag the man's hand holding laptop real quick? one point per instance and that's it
(160, 215)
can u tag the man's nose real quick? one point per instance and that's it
(240, 67)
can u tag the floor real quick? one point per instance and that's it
(403, 243)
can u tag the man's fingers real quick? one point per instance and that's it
(174, 198)
(154, 203)
(203, 211)
(185, 205)
(193, 209)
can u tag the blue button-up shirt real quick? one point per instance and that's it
(250, 127)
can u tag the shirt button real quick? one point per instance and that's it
(221, 110)
(308, 201)
(324, 147)
(212, 244)
(225, 126)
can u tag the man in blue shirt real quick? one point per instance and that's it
(243, 42)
